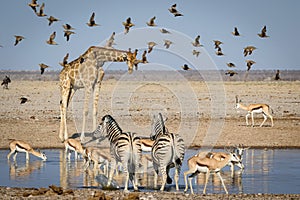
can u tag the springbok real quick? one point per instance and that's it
(207, 164)
(21, 146)
(73, 145)
(255, 108)
(98, 157)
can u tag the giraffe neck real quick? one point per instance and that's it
(109, 55)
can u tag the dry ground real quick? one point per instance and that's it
(203, 113)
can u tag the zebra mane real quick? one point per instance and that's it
(162, 123)
(112, 120)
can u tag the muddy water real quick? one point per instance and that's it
(266, 171)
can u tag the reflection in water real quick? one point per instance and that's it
(16, 171)
(266, 171)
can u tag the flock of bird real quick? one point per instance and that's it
(69, 30)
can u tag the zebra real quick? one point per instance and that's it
(124, 148)
(167, 151)
(5, 82)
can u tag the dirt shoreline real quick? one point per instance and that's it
(93, 194)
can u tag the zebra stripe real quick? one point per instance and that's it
(124, 148)
(167, 152)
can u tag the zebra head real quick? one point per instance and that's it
(158, 126)
(108, 127)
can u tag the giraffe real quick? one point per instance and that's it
(86, 72)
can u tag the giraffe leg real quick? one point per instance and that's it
(85, 111)
(96, 96)
(65, 98)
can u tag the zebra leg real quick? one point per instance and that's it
(111, 171)
(176, 176)
(164, 177)
(125, 170)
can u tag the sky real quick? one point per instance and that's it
(211, 19)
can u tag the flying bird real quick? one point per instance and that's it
(110, 42)
(150, 46)
(41, 12)
(127, 24)
(196, 53)
(18, 39)
(65, 60)
(43, 67)
(219, 52)
(263, 33)
(143, 60)
(164, 31)
(151, 22)
(248, 50)
(235, 32)
(167, 43)
(92, 21)
(217, 43)
(185, 67)
(67, 34)
(52, 19)
(51, 39)
(68, 27)
(230, 64)
(33, 5)
(230, 73)
(196, 42)
(174, 11)
(249, 64)
(23, 100)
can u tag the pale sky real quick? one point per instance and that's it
(211, 19)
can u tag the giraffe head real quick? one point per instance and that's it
(130, 59)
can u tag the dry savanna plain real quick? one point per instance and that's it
(202, 112)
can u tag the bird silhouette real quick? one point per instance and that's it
(196, 53)
(68, 27)
(127, 25)
(41, 12)
(219, 52)
(51, 39)
(65, 60)
(167, 43)
(43, 67)
(230, 64)
(248, 50)
(92, 21)
(263, 33)
(68, 34)
(143, 60)
(249, 64)
(174, 11)
(18, 38)
(150, 46)
(217, 43)
(235, 32)
(230, 73)
(151, 22)
(196, 42)
(52, 19)
(165, 31)
(185, 67)
(33, 5)
(110, 42)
